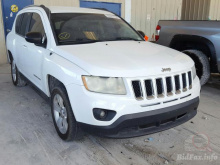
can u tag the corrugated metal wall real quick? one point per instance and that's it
(195, 9)
(3, 57)
(76, 3)
(147, 13)
(115, 1)
(57, 2)
(214, 13)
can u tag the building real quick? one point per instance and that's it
(142, 14)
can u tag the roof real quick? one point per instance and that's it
(62, 9)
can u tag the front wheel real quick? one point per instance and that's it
(16, 76)
(63, 118)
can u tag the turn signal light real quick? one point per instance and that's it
(158, 27)
(157, 35)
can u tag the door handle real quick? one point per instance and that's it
(24, 46)
(8, 30)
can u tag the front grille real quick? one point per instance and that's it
(190, 79)
(169, 86)
(177, 83)
(137, 89)
(184, 82)
(162, 86)
(149, 89)
(159, 84)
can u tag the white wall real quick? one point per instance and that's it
(128, 11)
(74, 3)
(214, 12)
(147, 13)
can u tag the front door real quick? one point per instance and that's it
(34, 54)
(112, 7)
(10, 9)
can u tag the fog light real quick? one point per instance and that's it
(103, 114)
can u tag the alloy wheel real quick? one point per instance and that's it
(60, 113)
(14, 70)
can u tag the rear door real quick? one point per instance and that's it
(10, 8)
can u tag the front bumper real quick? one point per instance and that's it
(144, 123)
(83, 102)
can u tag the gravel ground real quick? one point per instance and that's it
(27, 134)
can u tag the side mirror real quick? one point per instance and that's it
(141, 33)
(35, 37)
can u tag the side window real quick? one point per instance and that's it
(25, 21)
(36, 24)
(18, 23)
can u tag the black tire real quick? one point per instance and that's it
(73, 131)
(201, 63)
(16, 76)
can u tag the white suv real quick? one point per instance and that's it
(100, 74)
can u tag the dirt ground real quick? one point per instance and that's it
(28, 137)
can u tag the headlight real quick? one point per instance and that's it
(104, 85)
(194, 72)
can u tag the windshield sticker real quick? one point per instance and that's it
(112, 16)
(90, 35)
(64, 36)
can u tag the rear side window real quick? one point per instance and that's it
(36, 24)
(25, 22)
(18, 23)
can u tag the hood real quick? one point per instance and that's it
(124, 58)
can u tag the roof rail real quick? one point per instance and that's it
(104, 10)
(100, 9)
(43, 7)
(47, 10)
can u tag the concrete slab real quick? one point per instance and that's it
(27, 134)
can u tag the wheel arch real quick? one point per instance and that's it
(9, 56)
(183, 42)
(62, 70)
(52, 82)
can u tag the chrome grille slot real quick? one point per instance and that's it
(160, 89)
(184, 82)
(177, 84)
(149, 89)
(137, 89)
(173, 86)
(169, 86)
(190, 80)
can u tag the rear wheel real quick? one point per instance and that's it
(63, 117)
(16, 76)
(201, 63)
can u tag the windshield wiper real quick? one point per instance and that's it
(85, 41)
(125, 38)
(78, 41)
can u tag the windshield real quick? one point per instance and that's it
(78, 28)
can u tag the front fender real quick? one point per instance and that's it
(10, 47)
(63, 70)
